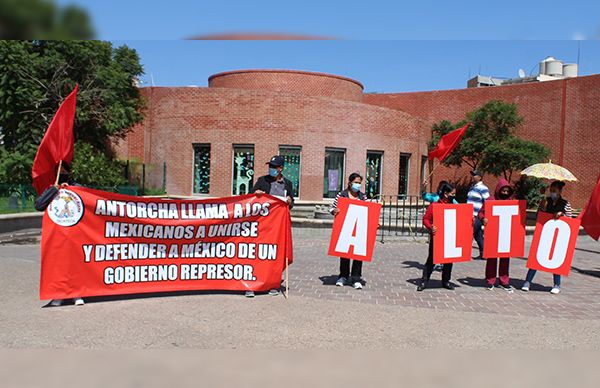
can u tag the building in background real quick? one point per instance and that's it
(215, 140)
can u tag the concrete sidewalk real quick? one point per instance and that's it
(387, 314)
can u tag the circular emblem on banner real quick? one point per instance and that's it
(66, 209)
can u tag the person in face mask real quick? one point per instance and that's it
(352, 191)
(43, 201)
(504, 191)
(274, 183)
(560, 207)
(447, 194)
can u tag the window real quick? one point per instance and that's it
(334, 172)
(424, 162)
(373, 174)
(403, 174)
(243, 169)
(201, 168)
(291, 171)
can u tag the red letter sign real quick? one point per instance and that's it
(355, 229)
(505, 230)
(452, 241)
(553, 244)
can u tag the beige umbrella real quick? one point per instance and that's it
(549, 171)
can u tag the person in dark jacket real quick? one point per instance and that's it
(352, 191)
(560, 207)
(277, 185)
(504, 191)
(43, 201)
(447, 194)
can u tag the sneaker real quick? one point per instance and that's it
(525, 286)
(358, 286)
(448, 286)
(421, 287)
(555, 290)
(78, 301)
(274, 292)
(489, 287)
(56, 302)
(340, 282)
(249, 294)
(506, 287)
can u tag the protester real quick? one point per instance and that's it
(477, 195)
(504, 191)
(433, 197)
(352, 191)
(560, 207)
(447, 194)
(277, 185)
(43, 201)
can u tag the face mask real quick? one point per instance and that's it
(451, 198)
(554, 196)
(355, 187)
(503, 196)
(273, 172)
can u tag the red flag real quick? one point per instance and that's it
(56, 145)
(448, 143)
(590, 216)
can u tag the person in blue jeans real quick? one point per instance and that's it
(560, 207)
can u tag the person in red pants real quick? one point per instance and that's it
(493, 270)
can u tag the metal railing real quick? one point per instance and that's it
(401, 215)
(20, 198)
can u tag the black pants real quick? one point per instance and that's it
(345, 268)
(428, 269)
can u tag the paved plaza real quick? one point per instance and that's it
(387, 313)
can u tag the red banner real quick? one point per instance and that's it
(99, 243)
(452, 241)
(553, 244)
(505, 229)
(355, 229)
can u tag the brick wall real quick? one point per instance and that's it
(551, 110)
(179, 117)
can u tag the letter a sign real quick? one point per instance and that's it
(452, 241)
(355, 229)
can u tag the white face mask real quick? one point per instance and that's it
(554, 196)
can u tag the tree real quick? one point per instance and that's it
(490, 143)
(36, 76)
(42, 19)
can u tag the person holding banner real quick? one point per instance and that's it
(504, 191)
(560, 207)
(352, 191)
(477, 195)
(447, 194)
(275, 184)
(43, 201)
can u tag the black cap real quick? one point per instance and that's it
(276, 161)
(476, 172)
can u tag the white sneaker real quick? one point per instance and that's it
(56, 302)
(274, 292)
(249, 294)
(525, 286)
(78, 301)
(555, 290)
(358, 286)
(340, 282)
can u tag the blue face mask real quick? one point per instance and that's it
(355, 187)
(273, 172)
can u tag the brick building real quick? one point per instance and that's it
(215, 139)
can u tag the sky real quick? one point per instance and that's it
(382, 66)
(349, 19)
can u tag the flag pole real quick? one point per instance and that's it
(58, 173)
(287, 282)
